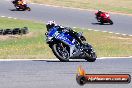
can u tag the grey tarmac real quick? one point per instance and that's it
(56, 74)
(68, 17)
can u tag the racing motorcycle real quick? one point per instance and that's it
(66, 47)
(18, 5)
(104, 18)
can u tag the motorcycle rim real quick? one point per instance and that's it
(61, 52)
(91, 57)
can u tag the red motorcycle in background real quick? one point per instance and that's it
(103, 17)
(18, 5)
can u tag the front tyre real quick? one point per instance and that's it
(61, 52)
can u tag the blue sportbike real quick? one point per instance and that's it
(66, 47)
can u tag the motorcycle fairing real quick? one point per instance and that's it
(60, 36)
(63, 37)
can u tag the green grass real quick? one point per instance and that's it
(29, 46)
(33, 45)
(107, 45)
(123, 6)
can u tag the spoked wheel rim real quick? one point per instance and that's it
(91, 57)
(62, 51)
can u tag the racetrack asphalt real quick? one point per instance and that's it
(68, 17)
(56, 74)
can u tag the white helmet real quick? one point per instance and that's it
(50, 24)
(99, 10)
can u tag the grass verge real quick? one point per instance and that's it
(123, 6)
(33, 45)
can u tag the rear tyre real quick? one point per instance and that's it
(60, 52)
(28, 9)
(91, 57)
(89, 53)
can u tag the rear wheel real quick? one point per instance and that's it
(111, 22)
(28, 9)
(61, 52)
(91, 57)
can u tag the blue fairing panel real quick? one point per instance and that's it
(60, 36)
(64, 38)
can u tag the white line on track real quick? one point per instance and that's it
(58, 60)
(74, 27)
(3, 16)
(28, 59)
(90, 29)
(104, 31)
(96, 30)
(77, 27)
(114, 57)
(74, 8)
(117, 33)
(8, 17)
(79, 9)
(110, 32)
(124, 34)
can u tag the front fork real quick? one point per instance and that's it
(72, 48)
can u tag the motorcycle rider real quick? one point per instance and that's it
(98, 14)
(21, 2)
(24, 3)
(74, 34)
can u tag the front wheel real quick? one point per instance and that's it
(61, 52)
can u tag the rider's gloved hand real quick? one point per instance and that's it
(46, 34)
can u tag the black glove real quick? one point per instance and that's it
(68, 29)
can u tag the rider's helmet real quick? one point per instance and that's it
(50, 24)
(99, 11)
(24, 1)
